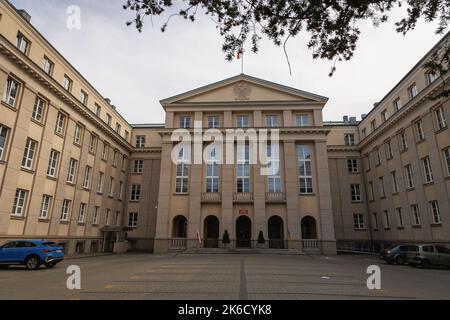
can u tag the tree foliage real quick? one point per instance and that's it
(332, 25)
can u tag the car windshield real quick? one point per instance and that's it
(50, 244)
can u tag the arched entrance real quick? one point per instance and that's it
(211, 232)
(309, 228)
(179, 227)
(243, 232)
(276, 233)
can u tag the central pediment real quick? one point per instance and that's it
(241, 89)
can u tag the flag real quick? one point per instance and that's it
(240, 53)
(199, 237)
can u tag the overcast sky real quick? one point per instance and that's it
(137, 70)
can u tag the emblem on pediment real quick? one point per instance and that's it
(242, 91)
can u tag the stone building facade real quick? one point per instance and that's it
(72, 170)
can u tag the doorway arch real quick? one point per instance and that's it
(309, 228)
(276, 233)
(211, 232)
(243, 232)
(179, 227)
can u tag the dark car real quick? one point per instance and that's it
(31, 253)
(399, 254)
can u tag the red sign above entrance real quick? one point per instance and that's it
(243, 211)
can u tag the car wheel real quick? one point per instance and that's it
(50, 265)
(425, 264)
(400, 260)
(32, 263)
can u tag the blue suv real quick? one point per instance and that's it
(31, 253)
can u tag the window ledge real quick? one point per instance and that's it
(4, 162)
(411, 189)
(404, 150)
(395, 193)
(181, 194)
(13, 108)
(417, 226)
(99, 193)
(400, 228)
(137, 201)
(390, 158)
(360, 229)
(441, 130)
(426, 184)
(420, 141)
(44, 220)
(39, 123)
(81, 224)
(387, 229)
(64, 222)
(27, 170)
(86, 189)
(20, 218)
(307, 194)
(71, 184)
(383, 198)
(436, 225)
(357, 201)
(61, 135)
(376, 230)
(52, 178)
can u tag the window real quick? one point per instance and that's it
(11, 92)
(389, 150)
(45, 206)
(48, 66)
(87, 177)
(78, 134)
(212, 171)
(73, 164)
(413, 91)
(53, 163)
(416, 215)
(83, 97)
(384, 115)
(135, 192)
(105, 151)
(124, 162)
(445, 151)
(182, 170)
(302, 120)
(274, 177)
(305, 169)
(117, 218)
(367, 162)
(431, 77)
(100, 182)
(111, 187)
(420, 135)
(60, 123)
(400, 221)
(108, 119)
(140, 141)
(356, 192)
(3, 137)
(440, 118)
(213, 122)
(65, 210)
(377, 152)
(352, 165)
(409, 176)
(82, 212)
(382, 190)
(373, 124)
(127, 135)
(397, 104)
(394, 182)
(375, 221)
(403, 141)
(38, 109)
(22, 43)
(372, 191)
(120, 190)
(243, 168)
(349, 139)
(242, 121)
(28, 154)
(95, 216)
(272, 121)
(364, 133)
(358, 221)
(387, 222)
(118, 128)
(108, 212)
(92, 143)
(185, 122)
(436, 215)
(428, 173)
(97, 110)
(132, 219)
(138, 166)
(67, 83)
(19, 203)
(114, 159)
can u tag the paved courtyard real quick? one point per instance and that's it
(219, 276)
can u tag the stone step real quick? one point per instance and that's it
(242, 251)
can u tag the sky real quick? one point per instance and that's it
(137, 70)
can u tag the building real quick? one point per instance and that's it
(72, 170)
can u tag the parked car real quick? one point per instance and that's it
(431, 255)
(399, 254)
(31, 253)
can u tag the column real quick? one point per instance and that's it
(291, 176)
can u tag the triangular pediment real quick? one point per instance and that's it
(244, 88)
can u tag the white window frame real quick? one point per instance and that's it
(302, 120)
(272, 121)
(38, 109)
(133, 219)
(435, 212)
(19, 204)
(390, 151)
(101, 176)
(82, 213)
(382, 189)
(60, 123)
(111, 187)
(212, 171)
(140, 141)
(138, 167)
(48, 65)
(83, 97)
(29, 154)
(440, 118)
(427, 170)
(304, 155)
(105, 151)
(386, 220)
(97, 110)
(95, 215)
(72, 172)
(403, 141)
(274, 177)
(4, 132)
(358, 221)
(409, 176)
(420, 134)
(413, 91)
(355, 190)
(135, 194)
(185, 122)
(243, 168)
(213, 122)
(22, 43)
(353, 165)
(445, 152)
(93, 143)
(349, 139)
(242, 121)
(78, 135)
(397, 104)
(87, 177)
(415, 211)
(53, 163)
(395, 187)
(65, 210)
(432, 77)
(67, 83)
(45, 207)
(182, 170)
(375, 221)
(400, 218)
(11, 92)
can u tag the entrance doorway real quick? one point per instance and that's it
(243, 232)
(211, 232)
(309, 228)
(276, 233)
(179, 227)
